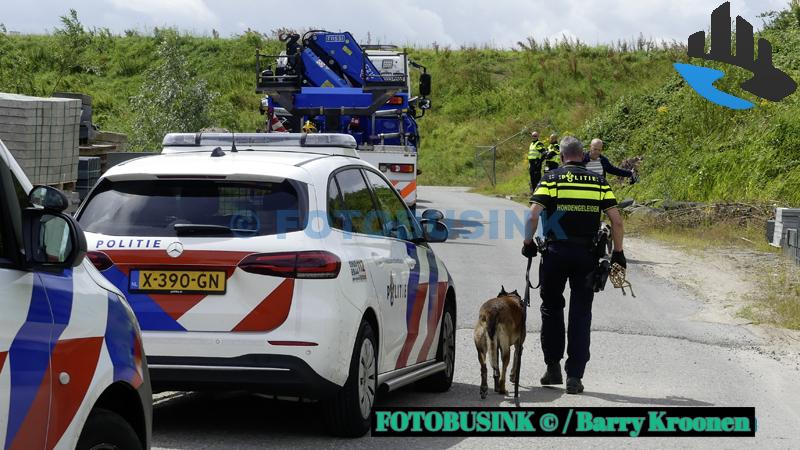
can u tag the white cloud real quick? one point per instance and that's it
(165, 11)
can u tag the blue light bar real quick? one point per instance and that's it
(247, 140)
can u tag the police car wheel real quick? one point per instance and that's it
(107, 430)
(441, 381)
(349, 412)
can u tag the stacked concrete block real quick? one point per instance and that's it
(785, 219)
(42, 134)
(88, 174)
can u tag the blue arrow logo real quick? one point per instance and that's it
(702, 79)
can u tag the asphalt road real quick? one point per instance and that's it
(646, 351)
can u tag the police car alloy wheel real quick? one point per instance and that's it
(366, 378)
(449, 342)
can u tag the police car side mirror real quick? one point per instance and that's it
(432, 214)
(433, 230)
(52, 240)
(48, 198)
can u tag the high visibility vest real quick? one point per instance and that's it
(554, 160)
(536, 150)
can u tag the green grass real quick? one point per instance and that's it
(479, 95)
(749, 236)
(631, 97)
(778, 299)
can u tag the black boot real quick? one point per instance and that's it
(574, 385)
(553, 375)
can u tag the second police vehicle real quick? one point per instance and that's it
(277, 262)
(72, 369)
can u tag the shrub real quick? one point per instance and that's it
(171, 99)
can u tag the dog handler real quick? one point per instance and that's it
(571, 200)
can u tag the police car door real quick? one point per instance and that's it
(26, 326)
(405, 320)
(368, 251)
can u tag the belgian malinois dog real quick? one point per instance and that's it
(499, 327)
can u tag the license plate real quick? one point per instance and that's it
(178, 281)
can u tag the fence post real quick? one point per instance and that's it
(494, 166)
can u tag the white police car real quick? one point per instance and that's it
(72, 373)
(281, 263)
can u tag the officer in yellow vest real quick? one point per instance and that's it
(552, 158)
(536, 153)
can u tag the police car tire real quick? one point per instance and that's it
(105, 429)
(441, 381)
(343, 412)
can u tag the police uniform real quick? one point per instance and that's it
(536, 153)
(555, 157)
(573, 199)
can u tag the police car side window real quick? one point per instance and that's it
(336, 218)
(356, 211)
(395, 218)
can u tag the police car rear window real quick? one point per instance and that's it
(196, 208)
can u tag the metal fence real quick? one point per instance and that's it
(486, 157)
(486, 161)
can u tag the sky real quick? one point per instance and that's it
(498, 23)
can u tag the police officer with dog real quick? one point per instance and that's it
(571, 200)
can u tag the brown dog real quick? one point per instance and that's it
(499, 327)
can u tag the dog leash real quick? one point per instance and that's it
(526, 302)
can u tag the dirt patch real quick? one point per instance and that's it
(726, 280)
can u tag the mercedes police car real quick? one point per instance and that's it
(72, 372)
(277, 262)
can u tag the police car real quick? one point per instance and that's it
(277, 262)
(72, 372)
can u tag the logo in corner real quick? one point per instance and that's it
(767, 81)
(175, 249)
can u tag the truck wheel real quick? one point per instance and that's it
(349, 412)
(107, 430)
(441, 381)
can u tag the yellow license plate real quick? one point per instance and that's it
(178, 281)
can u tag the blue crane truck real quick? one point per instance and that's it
(327, 82)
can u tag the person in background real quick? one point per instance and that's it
(552, 158)
(599, 164)
(536, 153)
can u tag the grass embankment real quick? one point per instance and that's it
(479, 95)
(697, 151)
(112, 69)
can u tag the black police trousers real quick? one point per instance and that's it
(574, 262)
(535, 172)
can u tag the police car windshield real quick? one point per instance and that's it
(200, 208)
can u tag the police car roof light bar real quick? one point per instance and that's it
(301, 142)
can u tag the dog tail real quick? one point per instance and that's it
(491, 325)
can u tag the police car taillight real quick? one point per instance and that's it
(396, 168)
(100, 260)
(302, 265)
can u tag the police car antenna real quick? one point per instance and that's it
(233, 143)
